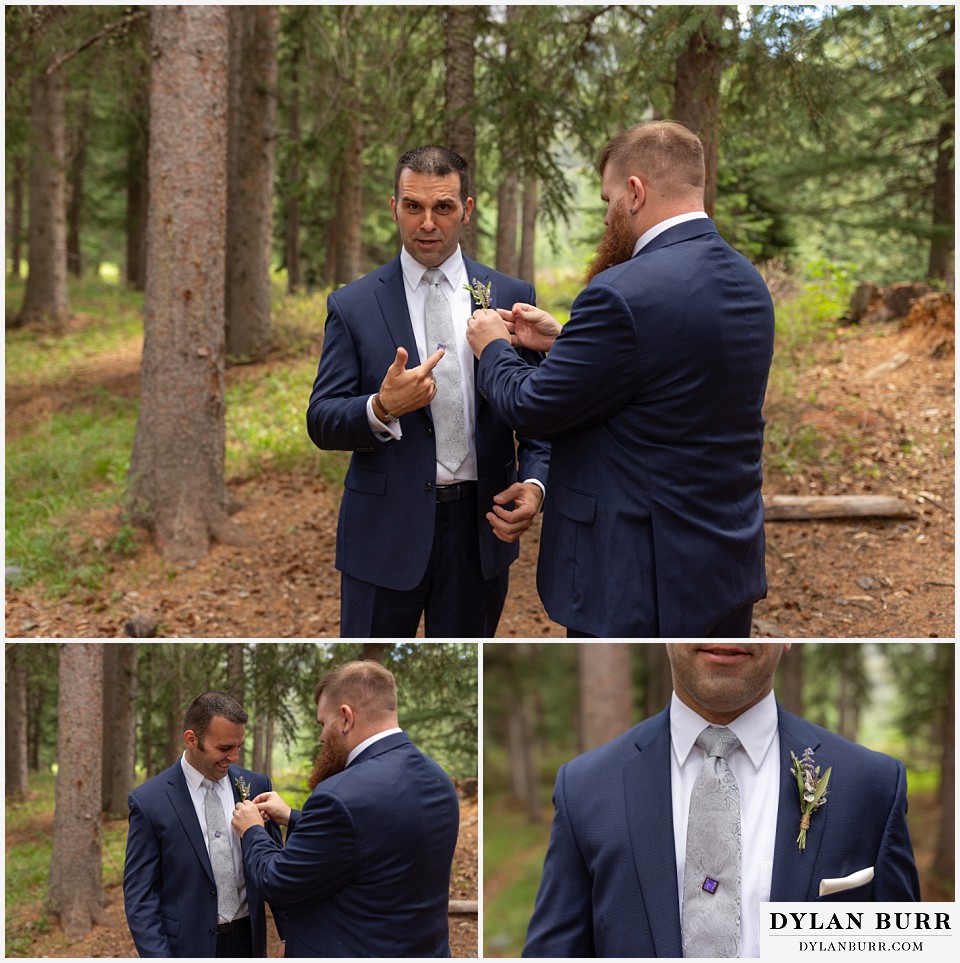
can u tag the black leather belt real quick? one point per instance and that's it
(453, 493)
(232, 925)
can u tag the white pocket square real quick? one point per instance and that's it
(861, 878)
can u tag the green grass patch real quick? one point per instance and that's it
(513, 852)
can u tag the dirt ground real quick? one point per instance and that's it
(876, 407)
(111, 938)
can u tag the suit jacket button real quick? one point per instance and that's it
(429, 432)
(428, 487)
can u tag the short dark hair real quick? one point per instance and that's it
(201, 711)
(434, 159)
(366, 686)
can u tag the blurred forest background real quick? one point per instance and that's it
(87, 722)
(186, 184)
(547, 702)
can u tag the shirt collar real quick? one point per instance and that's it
(413, 271)
(356, 750)
(755, 728)
(195, 777)
(649, 235)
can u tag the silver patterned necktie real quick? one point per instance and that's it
(221, 854)
(449, 423)
(710, 922)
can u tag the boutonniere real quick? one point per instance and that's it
(479, 293)
(813, 791)
(243, 788)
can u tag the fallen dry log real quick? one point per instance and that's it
(462, 906)
(799, 507)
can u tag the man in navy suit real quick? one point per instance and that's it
(612, 882)
(651, 396)
(169, 886)
(366, 866)
(420, 532)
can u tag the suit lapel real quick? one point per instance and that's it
(793, 871)
(392, 299)
(179, 796)
(649, 808)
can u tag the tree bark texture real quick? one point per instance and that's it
(177, 484)
(658, 677)
(15, 725)
(236, 679)
(138, 196)
(349, 263)
(789, 687)
(250, 158)
(944, 864)
(78, 160)
(460, 101)
(528, 230)
(74, 886)
(45, 297)
(119, 725)
(16, 222)
(292, 179)
(699, 69)
(507, 199)
(606, 691)
(941, 264)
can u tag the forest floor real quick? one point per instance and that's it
(28, 929)
(871, 412)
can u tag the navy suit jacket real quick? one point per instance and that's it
(652, 396)
(609, 885)
(169, 891)
(366, 866)
(385, 532)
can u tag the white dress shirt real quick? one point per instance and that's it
(755, 763)
(356, 750)
(225, 793)
(648, 236)
(461, 307)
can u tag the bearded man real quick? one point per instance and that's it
(366, 866)
(651, 396)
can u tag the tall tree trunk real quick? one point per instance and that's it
(944, 863)
(941, 264)
(507, 222)
(259, 740)
(606, 691)
(236, 678)
(657, 676)
(789, 687)
(74, 887)
(15, 725)
(460, 101)
(375, 651)
(696, 103)
(268, 749)
(45, 297)
(177, 484)
(292, 180)
(16, 222)
(176, 705)
(78, 160)
(350, 211)
(528, 230)
(119, 725)
(253, 111)
(138, 197)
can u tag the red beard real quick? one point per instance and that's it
(332, 759)
(616, 245)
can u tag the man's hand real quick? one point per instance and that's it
(485, 325)
(509, 525)
(532, 327)
(407, 389)
(272, 806)
(245, 815)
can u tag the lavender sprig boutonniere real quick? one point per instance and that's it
(479, 293)
(243, 788)
(813, 791)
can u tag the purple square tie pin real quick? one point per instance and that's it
(710, 885)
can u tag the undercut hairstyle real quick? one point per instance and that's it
(436, 160)
(201, 711)
(664, 152)
(366, 686)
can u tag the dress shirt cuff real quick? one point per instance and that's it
(391, 432)
(541, 486)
